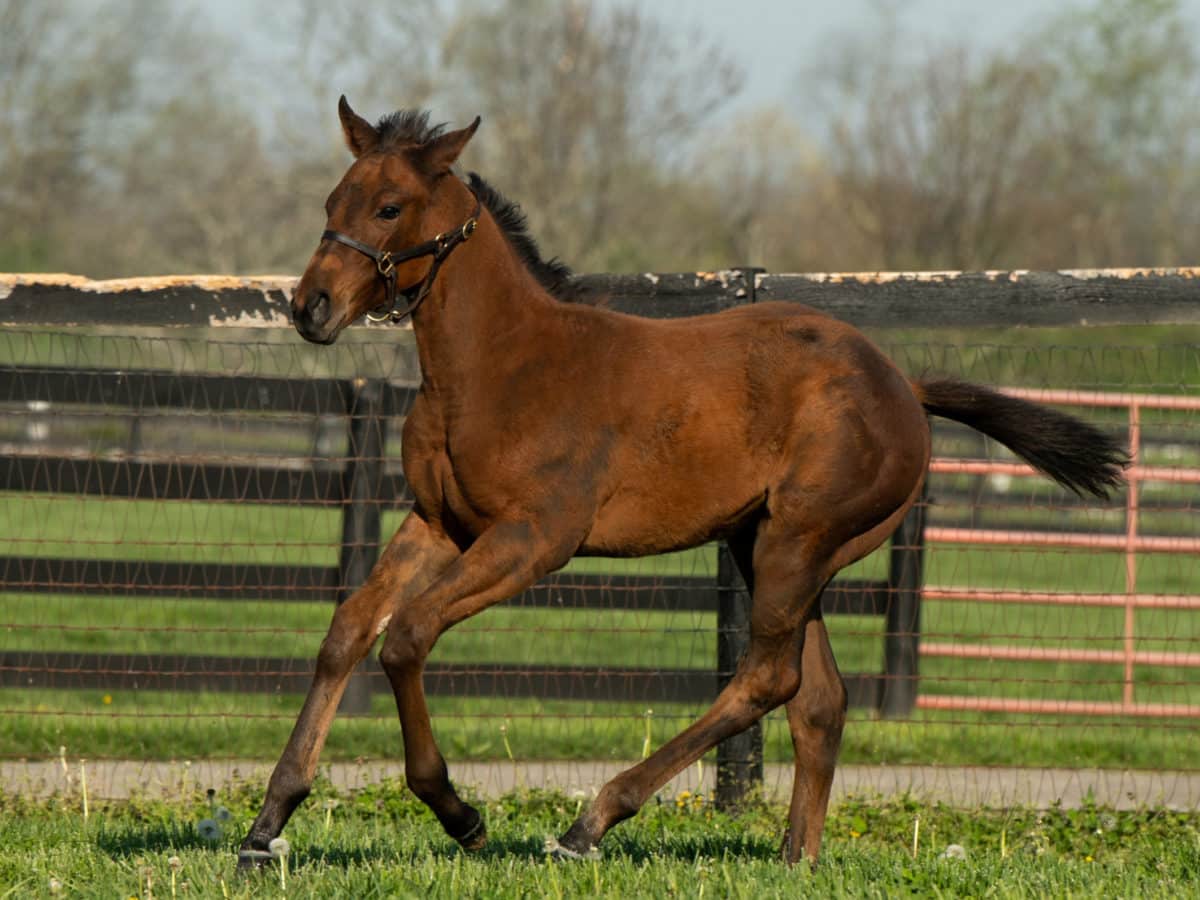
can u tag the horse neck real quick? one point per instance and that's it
(481, 297)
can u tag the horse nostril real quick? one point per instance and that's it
(318, 308)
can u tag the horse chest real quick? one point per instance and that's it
(454, 478)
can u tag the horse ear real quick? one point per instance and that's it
(440, 153)
(361, 136)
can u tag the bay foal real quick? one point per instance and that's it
(546, 429)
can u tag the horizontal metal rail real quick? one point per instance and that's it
(1130, 543)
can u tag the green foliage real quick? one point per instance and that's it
(380, 842)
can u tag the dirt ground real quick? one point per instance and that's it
(957, 786)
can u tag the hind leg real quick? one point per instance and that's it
(788, 576)
(817, 712)
(816, 717)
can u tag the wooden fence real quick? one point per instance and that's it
(364, 484)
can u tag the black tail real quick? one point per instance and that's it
(1073, 453)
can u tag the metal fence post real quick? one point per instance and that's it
(361, 483)
(901, 643)
(739, 758)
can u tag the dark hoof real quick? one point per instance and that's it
(475, 837)
(250, 860)
(561, 853)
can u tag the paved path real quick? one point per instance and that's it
(957, 786)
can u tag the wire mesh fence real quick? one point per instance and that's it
(183, 508)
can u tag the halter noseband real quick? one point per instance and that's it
(386, 261)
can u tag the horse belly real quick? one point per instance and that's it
(643, 523)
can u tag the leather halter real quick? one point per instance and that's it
(386, 261)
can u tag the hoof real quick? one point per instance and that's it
(250, 859)
(475, 838)
(559, 853)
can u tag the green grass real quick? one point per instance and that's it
(379, 842)
(164, 725)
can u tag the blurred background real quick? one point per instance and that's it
(143, 137)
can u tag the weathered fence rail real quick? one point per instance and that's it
(877, 299)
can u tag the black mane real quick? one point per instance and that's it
(412, 128)
(553, 274)
(408, 126)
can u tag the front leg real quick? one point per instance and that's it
(415, 556)
(505, 560)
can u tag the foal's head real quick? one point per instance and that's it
(388, 201)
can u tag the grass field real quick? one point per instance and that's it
(379, 842)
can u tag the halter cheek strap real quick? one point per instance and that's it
(386, 261)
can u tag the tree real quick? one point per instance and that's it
(64, 81)
(586, 109)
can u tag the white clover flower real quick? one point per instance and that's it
(209, 830)
(55, 885)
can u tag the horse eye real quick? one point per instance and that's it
(389, 212)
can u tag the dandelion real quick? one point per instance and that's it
(83, 788)
(504, 737)
(578, 796)
(106, 699)
(682, 798)
(953, 851)
(209, 830)
(174, 863)
(222, 814)
(280, 849)
(55, 885)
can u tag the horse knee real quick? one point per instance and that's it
(345, 645)
(407, 644)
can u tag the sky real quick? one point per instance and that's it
(771, 39)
